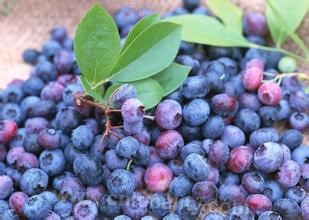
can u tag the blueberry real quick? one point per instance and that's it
(36, 207)
(59, 33)
(176, 167)
(85, 209)
(213, 216)
(304, 178)
(63, 208)
(191, 4)
(122, 217)
(218, 153)
(296, 194)
(189, 61)
(299, 101)
(6, 186)
(132, 110)
(196, 167)
(109, 206)
(121, 183)
(300, 154)
(273, 190)
(72, 189)
(67, 120)
(159, 205)
(263, 135)
(232, 194)
(250, 101)
(50, 197)
(299, 121)
(168, 114)
(52, 161)
(269, 215)
(82, 137)
(268, 157)
(46, 71)
(127, 147)
(4, 206)
(143, 155)
(205, 191)
(70, 153)
(305, 208)
(122, 93)
(69, 92)
(113, 161)
(189, 133)
(135, 206)
(195, 87)
(224, 105)
(12, 111)
(292, 84)
(34, 181)
(13, 94)
(234, 86)
(233, 136)
(213, 128)
(268, 115)
(188, 208)
(9, 214)
(192, 147)
(50, 138)
(239, 212)
(289, 174)
(253, 182)
(172, 216)
(35, 125)
(181, 186)
(247, 120)
(126, 16)
(256, 39)
(288, 209)
(64, 61)
(168, 144)
(88, 169)
(201, 11)
(30, 56)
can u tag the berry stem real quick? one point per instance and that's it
(129, 164)
(149, 117)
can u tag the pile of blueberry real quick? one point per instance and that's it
(212, 140)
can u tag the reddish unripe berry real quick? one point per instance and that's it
(158, 177)
(169, 144)
(258, 203)
(17, 201)
(289, 174)
(8, 130)
(255, 63)
(269, 93)
(252, 78)
(240, 159)
(168, 114)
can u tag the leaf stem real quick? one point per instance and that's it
(275, 49)
(129, 164)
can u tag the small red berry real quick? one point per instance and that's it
(252, 78)
(8, 130)
(258, 203)
(158, 177)
(240, 159)
(269, 93)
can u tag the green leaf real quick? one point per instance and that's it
(228, 12)
(172, 77)
(96, 44)
(94, 93)
(284, 17)
(149, 91)
(207, 30)
(140, 26)
(152, 51)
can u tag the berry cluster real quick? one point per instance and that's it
(213, 139)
